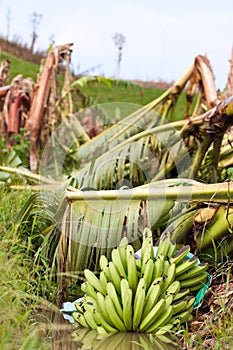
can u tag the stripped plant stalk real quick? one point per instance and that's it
(211, 192)
(203, 66)
(31, 176)
(35, 120)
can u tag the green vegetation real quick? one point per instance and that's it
(17, 300)
(133, 94)
(19, 66)
(26, 290)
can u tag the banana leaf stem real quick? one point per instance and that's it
(220, 192)
(30, 175)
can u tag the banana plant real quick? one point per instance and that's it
(89, 223)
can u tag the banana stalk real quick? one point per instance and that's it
(219, 192)
(218, 226)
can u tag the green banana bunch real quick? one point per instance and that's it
(153, 296)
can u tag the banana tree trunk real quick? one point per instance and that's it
(35, 121)
(205, 71)
(4, 90)
(229, 88)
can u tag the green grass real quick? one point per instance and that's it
(19, 66)
(131, 94)
(21, 282)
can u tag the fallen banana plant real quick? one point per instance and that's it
(156, 113)
(154, 153)
(41, 121)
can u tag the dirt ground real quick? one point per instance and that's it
(213, 322)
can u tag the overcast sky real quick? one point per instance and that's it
(162, 37)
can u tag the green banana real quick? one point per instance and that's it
(169, 278)
(164, 245)
(190, 301)
(151, 302)
(194, 281)
(196, 286)
(127, 309)
(115, 277)
(116, 259)
(79, 318)
(147, 251)
(139, 303)
(103, 281)
(101, 321)
(101, 307)
(139, 265)
(79, 306)
(186, 265)
(158, 267)
(152, 296)
(93, 280)
(88, 303)
(122, 251)
(162, 320)
(194, 271)
(84, 287)
(172, 289)
(168, 299)
(113, 295)
(131, 268)
(148, 272)
(180, 255)
(166, 266)
(179, 306)
(171, 249)
(152, 315)
(89, 318)
(110, 307)
(104, 265)
(88, 288)
(182, 293)
(124, 287)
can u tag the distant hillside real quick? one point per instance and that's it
(21, 51)
(20, 66)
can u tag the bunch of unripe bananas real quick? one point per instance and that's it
(150, 294)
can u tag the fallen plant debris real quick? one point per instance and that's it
(212, 324)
